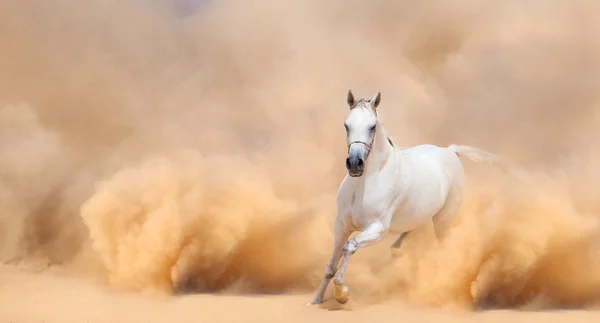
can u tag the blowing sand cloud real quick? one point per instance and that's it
(200, 144)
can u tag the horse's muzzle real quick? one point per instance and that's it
(355, 165)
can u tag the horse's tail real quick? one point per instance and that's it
(479, 155)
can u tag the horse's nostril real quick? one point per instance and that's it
(360, 163)
(348, 163)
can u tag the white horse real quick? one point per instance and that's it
(390, 189)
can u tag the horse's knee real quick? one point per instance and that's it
(349, 247)
(329, 272)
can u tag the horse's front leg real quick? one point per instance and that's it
(341, 234)
(373, 233)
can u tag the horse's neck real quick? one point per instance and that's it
(381, 151)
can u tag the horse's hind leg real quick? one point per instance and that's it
(443, 219)
(398, 241)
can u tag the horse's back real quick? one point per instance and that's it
(432, 155)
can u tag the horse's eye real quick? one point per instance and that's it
(372, 128)
(346, 126)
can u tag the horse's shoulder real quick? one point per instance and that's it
(345, 189)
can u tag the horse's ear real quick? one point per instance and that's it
(375, 100)
(350, 98)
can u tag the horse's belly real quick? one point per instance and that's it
(402, 222)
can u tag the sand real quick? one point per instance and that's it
(149, 147)
(54, 296)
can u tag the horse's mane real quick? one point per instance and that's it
(361, 102)
(391, 140)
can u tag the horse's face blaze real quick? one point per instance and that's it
(361, 125)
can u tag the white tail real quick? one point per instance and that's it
(479, 155)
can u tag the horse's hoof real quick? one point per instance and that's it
(342, 294)
(313, 302)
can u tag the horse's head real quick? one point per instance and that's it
(361, 125)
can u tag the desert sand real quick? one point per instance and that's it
(178, 161)
(52, 296)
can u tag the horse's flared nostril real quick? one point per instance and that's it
(347, 163)
(360, 163)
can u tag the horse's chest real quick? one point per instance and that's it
(368, 207)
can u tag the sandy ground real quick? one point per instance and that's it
(56, 296)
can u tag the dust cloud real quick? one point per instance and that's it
(199, 144)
